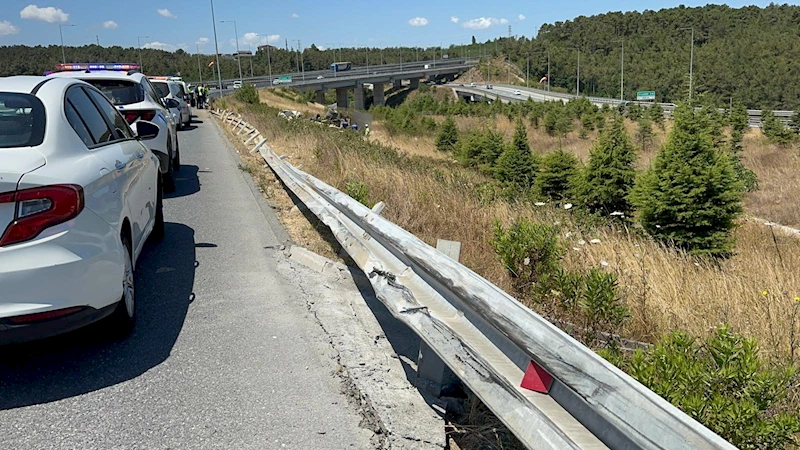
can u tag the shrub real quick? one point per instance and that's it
(738, 120)
(775, 131)
(480, 147)
(644, 135)
(529, 251)
(447, 140)
(721, 383)
(604, 311)
(358, 191)
(516, 165)
(247, 94)
(555, 178)
(690, 195)
(610, 173)
(656, 113)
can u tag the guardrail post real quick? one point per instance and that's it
(258, 146)
(433, 375)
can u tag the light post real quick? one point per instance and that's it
(238, 56)
(302, 62)
(691, 61)
(269, 60)
(216, 47)
(63, 53)
(250, 49)
(578, 77)
(621, 70)
(199, 67)
(332, 45)
(139, 41)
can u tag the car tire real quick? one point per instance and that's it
(158, 228)
(123, 318)
(176, 161)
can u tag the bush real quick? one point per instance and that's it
(529, 251)
(447, 140)
(517, 166)
(555, 178)
(358, 191)
(738, 120)
(721, 383)
(247, 94)
(690, 196)
(775, 131)
(610, 174)
(480, 148)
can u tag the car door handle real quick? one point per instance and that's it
(120, 165)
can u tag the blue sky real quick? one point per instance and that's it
(186, 24)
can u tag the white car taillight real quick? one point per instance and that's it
(41, 208)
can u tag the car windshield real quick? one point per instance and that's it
(120, 92)
(22, 120)
(162, 88)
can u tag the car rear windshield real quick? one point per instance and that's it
(22, 120)
(120, 92)
(162, 88)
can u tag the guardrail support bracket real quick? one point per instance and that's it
(433, 375)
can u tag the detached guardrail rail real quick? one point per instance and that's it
(492, 342)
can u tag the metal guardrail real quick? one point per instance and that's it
(489, 339)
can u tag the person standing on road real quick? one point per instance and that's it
(201, 96)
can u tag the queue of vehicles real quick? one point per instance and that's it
(86, 154)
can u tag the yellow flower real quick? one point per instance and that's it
(797, 299)
(765, 293)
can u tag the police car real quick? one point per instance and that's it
(137, 99)
(80, 194)
(167, 87)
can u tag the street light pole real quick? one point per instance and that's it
(238, 55)
(269, 59)
(61, 33)
(139, 41)
(691, 62)
(622, 71)
(302, 62)
(199, 67)
(216, 47)
(250, 48)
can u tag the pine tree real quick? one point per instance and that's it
(645, 133)
(517, 166)
(738, 119)
(795, 123)
(690, 196)
(557, 175)
(609, 174)
(448, 136)
(656, 114)
(775, 131)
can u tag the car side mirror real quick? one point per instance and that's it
(145, 130)
(172, 103)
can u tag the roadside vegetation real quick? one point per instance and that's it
(615, 225)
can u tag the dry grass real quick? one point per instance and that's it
(777, 168)
(665, 290)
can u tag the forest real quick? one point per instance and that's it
(749, 55)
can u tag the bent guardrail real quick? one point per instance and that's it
(490, 340)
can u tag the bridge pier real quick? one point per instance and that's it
(398, 84)
(342, 100)
(320, 97)
(358, 98)
(377, 94)
(414, 83)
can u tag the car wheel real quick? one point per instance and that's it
(176, 161)
(124, 316)
(158, 228)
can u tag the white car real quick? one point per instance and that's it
(80, 194)
(517, 92)
(137, 99)
(176, 91)
(237, 84)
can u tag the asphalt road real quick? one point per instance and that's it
(225, 354)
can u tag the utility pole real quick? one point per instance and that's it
(238, 55)
(216, 47)
(250, 48)
(302, 63)
(199, 67)
(691, 62)
(139, 40)
(63, 52)
(97, 38)
(528, 73)
(269, 60)
(621, 71)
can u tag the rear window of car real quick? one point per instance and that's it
(22, 120)
(120, 92)
(162, 88)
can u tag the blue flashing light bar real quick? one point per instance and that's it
(97, 66)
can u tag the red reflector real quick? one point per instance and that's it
(147, 115)
(65, 202)
(44, 315)
(131, 117)
(8, 197)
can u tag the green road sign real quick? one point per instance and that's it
(646, 95)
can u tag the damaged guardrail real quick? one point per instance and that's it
(550, 390)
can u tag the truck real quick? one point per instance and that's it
(283, 79)
(341, 66)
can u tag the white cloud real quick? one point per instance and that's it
(7, 28)
(48, 14)
(258, 39)
(110, 25)
(295, 16)
(166, 13)
(418, 22)
(521, 17)
(483, 23)
(202, 41)
(454, 19)
(160, 46)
